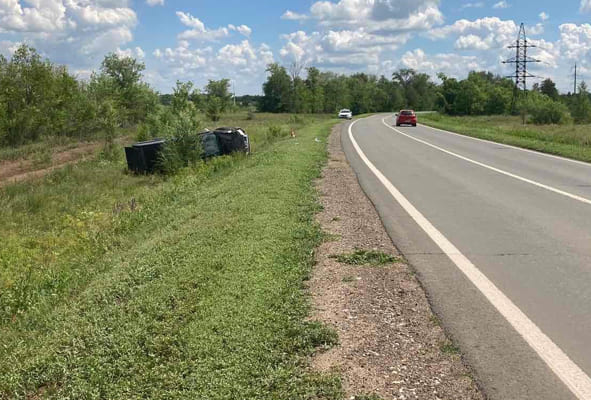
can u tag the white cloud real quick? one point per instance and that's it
(103, 42)
(575, 41)
(357, 35)
(242, 29)
(344, 48)
(153, 3)
(451, 64)
(543, 16)
(181, 60)
(191, 21)
(47, 16)
(73, 32)
(200, 32)
(293, 16)
(474, 42)
(501, 4)
(374, 15)
(136, 52)
(492, 32)
(585, 6)
(93, 15)
(479, 4)
(243, 62)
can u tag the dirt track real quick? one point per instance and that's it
(20, 170)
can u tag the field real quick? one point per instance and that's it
(121, 286)
(573, 141)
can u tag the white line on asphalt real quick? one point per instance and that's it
(569, 372)
(500, 171)
(539, 153)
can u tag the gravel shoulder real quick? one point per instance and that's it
(391, 344)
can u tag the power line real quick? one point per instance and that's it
(520, 60)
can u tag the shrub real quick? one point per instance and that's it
(543, 110)
(214, 109)
(108, 123)
(183, 148)
(143, 133)
(274, 131)
(581, 106)
(297, 120)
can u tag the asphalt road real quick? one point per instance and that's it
(520, 219)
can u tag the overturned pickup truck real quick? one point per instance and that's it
(143, 157)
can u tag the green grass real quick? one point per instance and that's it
(371, 396)
(365, 257)
(573, 141)
(449, 348)
(127, 287)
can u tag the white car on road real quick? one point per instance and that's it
(345, 113)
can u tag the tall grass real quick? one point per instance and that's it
(122, 286)
(572, 141)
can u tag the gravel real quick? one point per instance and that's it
(391, 344)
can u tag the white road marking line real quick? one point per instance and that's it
(539, 153)
(500, 171)
(567, 371)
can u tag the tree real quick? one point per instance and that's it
(581, 107)
(277, 90)
(548, 87)
(214, 109)
(315, 86)
(221, 91)
(126, 71)
(181, 97)
(134, 97)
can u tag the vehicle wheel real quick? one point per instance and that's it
(414, 125)
(397, 124)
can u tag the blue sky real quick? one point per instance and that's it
(205, 39)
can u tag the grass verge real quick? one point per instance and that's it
(572, 141)
(117, 286)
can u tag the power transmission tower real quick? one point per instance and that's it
(575, 91)
(520, 60)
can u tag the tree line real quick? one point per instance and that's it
(327, 92)
(40, 99)
(480, 93)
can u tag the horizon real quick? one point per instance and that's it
(184, 41)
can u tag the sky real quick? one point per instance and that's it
(212, 39)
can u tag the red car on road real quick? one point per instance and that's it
(406, 117)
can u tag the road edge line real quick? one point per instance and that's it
(565, 369)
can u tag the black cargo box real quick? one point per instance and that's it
(142, 157)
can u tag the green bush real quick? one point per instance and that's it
(214, 109)
(581, 106)
(183, 148)
(297, 120)
(543, 110)
(274, 131)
